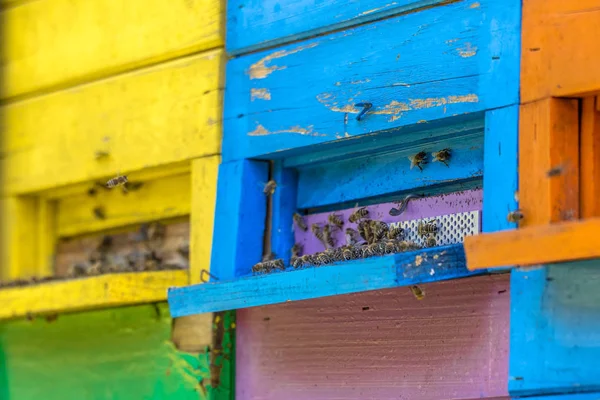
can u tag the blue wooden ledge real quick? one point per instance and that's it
(427, 265)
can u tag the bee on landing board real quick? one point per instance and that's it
(417, 292)
(299, 220)
(318, 232)
(116, 181)
(379, 229)
(418, 160)
(358, 214)
(442, 156)
(329, 240)
(515, 216)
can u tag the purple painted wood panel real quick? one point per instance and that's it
(381, 345)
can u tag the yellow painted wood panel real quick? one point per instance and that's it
(204, 196)
(94, 292)
(50, 44)
(164, 198)
(148, 118)
(19, 255)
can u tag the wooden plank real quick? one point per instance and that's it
(381, 344)
(282, 100)
(257, 24)
(590, 158)
(45, 236)
(368, 175)
(202, 207)
(559, 52)
(19, 237)
(428, 265)
(561, 242)
(501, 168)
(95, 292)
(52, 44)
(549, 161)
(283, 206)
(240, 217)
(555, 320)
(105, 209)
(148, 118)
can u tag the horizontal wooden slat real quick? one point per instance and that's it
(560, 50)
(304, 94)
(253, 24)
(95, 292)
(554, 243)
(57, 43)
(148, 118)
(110, 208)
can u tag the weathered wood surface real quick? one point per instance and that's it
(151, 117)
(53, 44)
(385, 344)
(305, 93)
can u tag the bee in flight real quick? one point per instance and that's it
(116, 181)
(270, 187)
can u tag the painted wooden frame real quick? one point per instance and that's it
(309, 167)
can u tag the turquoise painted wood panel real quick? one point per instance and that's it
(253, 24)
(414, 69)
(555, 329)
(292, 285)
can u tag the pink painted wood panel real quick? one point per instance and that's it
(380, 345)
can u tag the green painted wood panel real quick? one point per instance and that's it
(123, 353)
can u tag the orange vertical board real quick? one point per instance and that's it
(560, 48)
(590, 158)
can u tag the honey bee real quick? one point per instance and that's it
(270, 187)
(336, 254)
(116, 181)
(418, 160)
(348, 253)
(378, 230)
(515, 216)
(259, 268)
(318, 232)
(95, 268)
(299, 220)
(395, 233)
(373, 249)
(390, 247)
(296, 250)
(358, 214)
(426, 228)
(406, 245)
(364, 230)
(99, 213)
(350, 236)
(336, 220)
(417, 292)
(77, 270)
(268, 266)
(324, 258)
(302, 261)
(442, 156)
(430, 241)
(329, 240)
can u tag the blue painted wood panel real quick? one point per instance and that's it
(283, 209)
(240, 217)
(555, 329)
(252, 24)
(356, 276)
(389, 171)
(414, 69)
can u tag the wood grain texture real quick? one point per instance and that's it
(202, 218)
(52, 44)
(313, 86)
(559, 52)
(169, 197)
(558, 242)
(254, 24)
(589, 173)
(549, 141)
(427, 265)
(379, 345)
(148, 118)
(240, 217)
(389, 171)
(554, 342)
(95, 292)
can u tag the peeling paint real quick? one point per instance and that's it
(262, 131)
(260, 70)
(418, 260)
(360, 81)
(475, 5)
(450, 41)
(262, 94)
(467, 51)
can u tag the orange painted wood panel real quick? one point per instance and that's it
(590, 158)
(560, 242)
(560, 48)
(549, 161)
